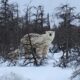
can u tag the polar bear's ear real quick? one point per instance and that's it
(46, 32)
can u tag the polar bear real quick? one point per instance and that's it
(40, 42)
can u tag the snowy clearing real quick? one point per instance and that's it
(34, 73)
(46, 72)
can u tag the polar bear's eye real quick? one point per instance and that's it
(50, 34)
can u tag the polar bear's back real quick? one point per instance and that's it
(35, 38)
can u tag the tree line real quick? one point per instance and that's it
(67, 38)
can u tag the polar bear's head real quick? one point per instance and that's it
(50, 35)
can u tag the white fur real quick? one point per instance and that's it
(40, 42)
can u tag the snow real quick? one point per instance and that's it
(46, 72)
(34, 73)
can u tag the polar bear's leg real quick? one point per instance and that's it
(45, 50)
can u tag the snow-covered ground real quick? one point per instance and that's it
(34, 73)
(47, 72)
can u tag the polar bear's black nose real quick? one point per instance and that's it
(50, 34)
